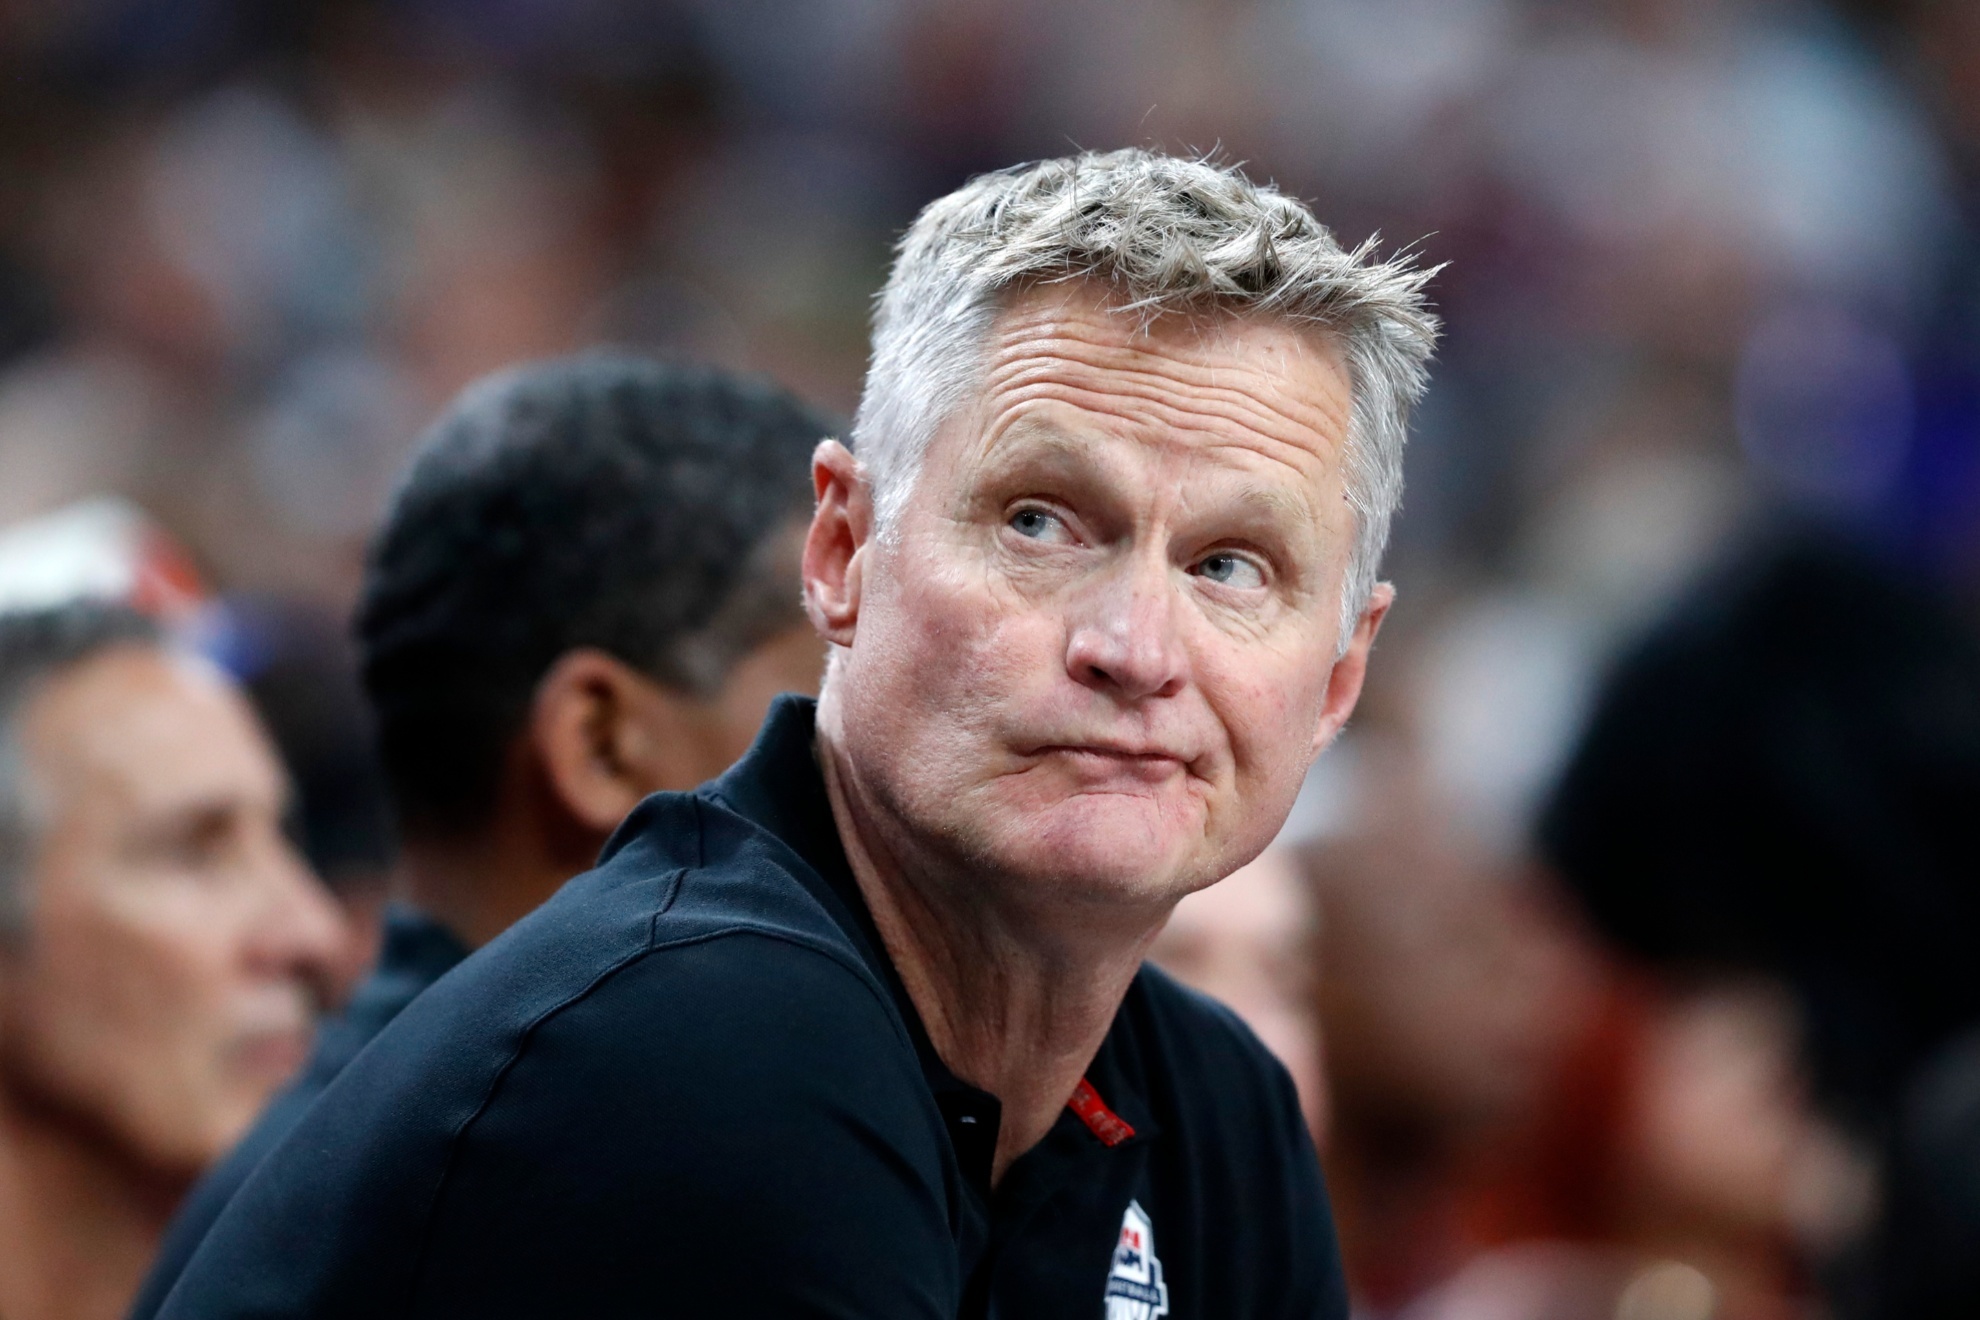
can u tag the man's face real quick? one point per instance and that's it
(1097, 655)
(175, 948)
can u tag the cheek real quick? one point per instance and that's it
(126, 1012)
(116, 966)
(1270, 705)
(955, 647)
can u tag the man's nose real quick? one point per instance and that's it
(1125, 637)
(300, 933)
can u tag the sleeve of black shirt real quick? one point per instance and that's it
(733, 1128)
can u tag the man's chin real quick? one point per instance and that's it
(1126, 850)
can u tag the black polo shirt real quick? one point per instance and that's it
(692, 1085)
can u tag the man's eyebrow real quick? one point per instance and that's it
(1037, 442)
(1274, 504)
(1038, 446)
(1036, 449)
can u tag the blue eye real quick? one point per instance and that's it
(1034, 523)
(1231, 570)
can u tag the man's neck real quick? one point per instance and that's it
(79, 1224)
(1013, 1004)
(479, 885)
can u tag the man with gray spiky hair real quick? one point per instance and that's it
(862, 1028)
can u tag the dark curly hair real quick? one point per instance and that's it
(602, 501)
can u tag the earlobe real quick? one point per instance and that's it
(1345, 682)
(834, 548)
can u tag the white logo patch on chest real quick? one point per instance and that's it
(1135, 1290)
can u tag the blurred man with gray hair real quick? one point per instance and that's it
(164, 952)
(862, 1028)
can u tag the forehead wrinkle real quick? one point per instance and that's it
(1313, 427)
(1039, 336)
(1149, 420)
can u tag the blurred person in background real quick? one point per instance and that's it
(293, 660)
(297, 662)
(1771, 812)
(586, 591)
(1443, 990)
(1664, 1169)
(1525, 1123)
(1249, 942)
(164, 952)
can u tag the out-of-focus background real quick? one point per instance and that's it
(1711, 377)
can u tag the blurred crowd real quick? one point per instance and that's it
(1627, 947)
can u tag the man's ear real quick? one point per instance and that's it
(606, 735)
(834, 548)
(1344, 684)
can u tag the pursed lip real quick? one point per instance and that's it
(275, 1052)
(1140, 760)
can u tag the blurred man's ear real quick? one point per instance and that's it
(606, 735)
(833, 548)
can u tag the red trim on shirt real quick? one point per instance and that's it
(1105, 1124)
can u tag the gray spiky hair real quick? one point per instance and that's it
(1162, 235)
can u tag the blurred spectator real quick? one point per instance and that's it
(585, 592)
(1445, 991)
(1779, 780)
(98, 549)
(294, 663)
(1525, 1127)
(163, 951)
(1671, 1167)
(1777, 784)
(299, 666)
(1249, 941)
